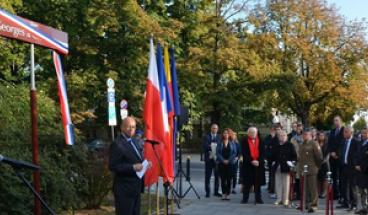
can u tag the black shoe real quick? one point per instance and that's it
(207, 195)
(217, 194)
(233, 192)
(259, 201)
(361, 211)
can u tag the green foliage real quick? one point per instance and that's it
(97, 179)
(15, 142)
(360, 124)
(71, 177)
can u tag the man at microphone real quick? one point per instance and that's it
(126, 159)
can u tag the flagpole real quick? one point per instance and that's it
(157, 199)
(35, 150)
(149, 201)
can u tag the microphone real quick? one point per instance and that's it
(18, 164)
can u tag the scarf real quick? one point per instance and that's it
(254, 148)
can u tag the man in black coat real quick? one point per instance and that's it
(334, 144)
(253, 170)
(210, 142)
(348, 172)
(125, 160)
(362, 168)
(270, 141)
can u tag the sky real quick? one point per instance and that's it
(352, 9)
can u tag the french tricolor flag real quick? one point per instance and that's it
(168, 113)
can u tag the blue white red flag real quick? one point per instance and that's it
(64, 105)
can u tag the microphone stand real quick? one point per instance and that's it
(179, 177)
(28, 184)
(166, 185)
(17, 165)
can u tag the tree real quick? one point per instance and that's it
(214, 55)
(360, 124)
(321, 58)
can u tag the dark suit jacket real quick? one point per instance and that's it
(122, 158)
(351, 158)
(334, 141)
(362, 161)
(269, 143)
(206, 147)
(334, 145)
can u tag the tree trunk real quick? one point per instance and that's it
(304, 116)
(216, 112)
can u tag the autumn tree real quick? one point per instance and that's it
(320, 56)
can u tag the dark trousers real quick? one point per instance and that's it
(127, 205)
(235, 173)
(226, 172)
(257, 192)
(297, 188)
(335, 170)
(271, 177)
(348, 191)
(211, 166)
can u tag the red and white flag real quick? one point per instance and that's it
(153, 117)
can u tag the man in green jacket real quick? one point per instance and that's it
(310, 155)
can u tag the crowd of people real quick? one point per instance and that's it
(297, 164)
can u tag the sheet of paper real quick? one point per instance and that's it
(141, 173)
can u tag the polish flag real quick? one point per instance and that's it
(154, 120)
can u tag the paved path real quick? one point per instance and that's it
(215, 206)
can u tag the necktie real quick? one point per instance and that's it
(347, 146)
(134, 147)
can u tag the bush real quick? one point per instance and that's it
(98, 178)
(72, 177)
